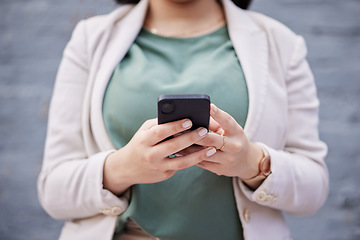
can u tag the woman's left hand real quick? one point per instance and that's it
(230, 153)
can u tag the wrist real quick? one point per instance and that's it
(114, 176)
(254, 156)
(264, 169)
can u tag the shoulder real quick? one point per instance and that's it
(282, 41)
(96, 26)
(272, 27)
(106, 20)
(91, 32)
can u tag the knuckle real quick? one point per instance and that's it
(194, 137)
(178, 127)
(202, 157)
(167, 174)
(149, 157)
(228, 118)
(175, 127)
(183, 165)
(142, 140)
(231, 160)
(164, 175)
(220, 171)
(208, 142)
(237, 147)
(157, 133)
(216, 171)
(172, 146)
(155, 168)
(147, 122)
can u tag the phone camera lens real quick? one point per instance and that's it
(167, 107)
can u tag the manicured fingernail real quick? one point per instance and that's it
(214, 107)
(202, 132)
(186, 124)
(210, 152)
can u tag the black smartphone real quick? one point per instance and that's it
(196, 107)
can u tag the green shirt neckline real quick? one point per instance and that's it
(147, 32)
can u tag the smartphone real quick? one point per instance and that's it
(196, 107)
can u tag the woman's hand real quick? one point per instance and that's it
(232, 155)
(145, 159)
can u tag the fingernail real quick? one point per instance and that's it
(214, 107)
(210, 152)
(202, 132)
(186, 124)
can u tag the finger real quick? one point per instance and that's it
(180, 142)
(226, 121)
(187, 161)
(160, 132)
(213, 155)
(148, 124)
(212, 140)
(210, 166)
(214, 126)
(193, 148)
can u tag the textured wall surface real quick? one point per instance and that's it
(33, 35)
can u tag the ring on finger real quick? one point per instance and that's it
(224, 141)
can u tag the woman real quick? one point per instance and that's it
(106, 169)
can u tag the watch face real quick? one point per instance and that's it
(266, 166)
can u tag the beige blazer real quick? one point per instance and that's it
(283, 116)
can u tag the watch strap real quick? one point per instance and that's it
(263, 173)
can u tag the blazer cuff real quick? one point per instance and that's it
(107, 202)
(296, 185)
(262, 195)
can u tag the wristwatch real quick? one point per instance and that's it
(264, 167)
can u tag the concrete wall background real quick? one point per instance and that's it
(33, 35)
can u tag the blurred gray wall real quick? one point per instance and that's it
(33, 35)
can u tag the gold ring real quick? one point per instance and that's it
(224, 141)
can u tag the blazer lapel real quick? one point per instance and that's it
(251, 47)
(123, 35)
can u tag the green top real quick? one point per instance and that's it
(194, 203)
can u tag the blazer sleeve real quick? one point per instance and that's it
(70, 182)
(299, 182)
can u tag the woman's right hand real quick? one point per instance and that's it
(145, 159)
